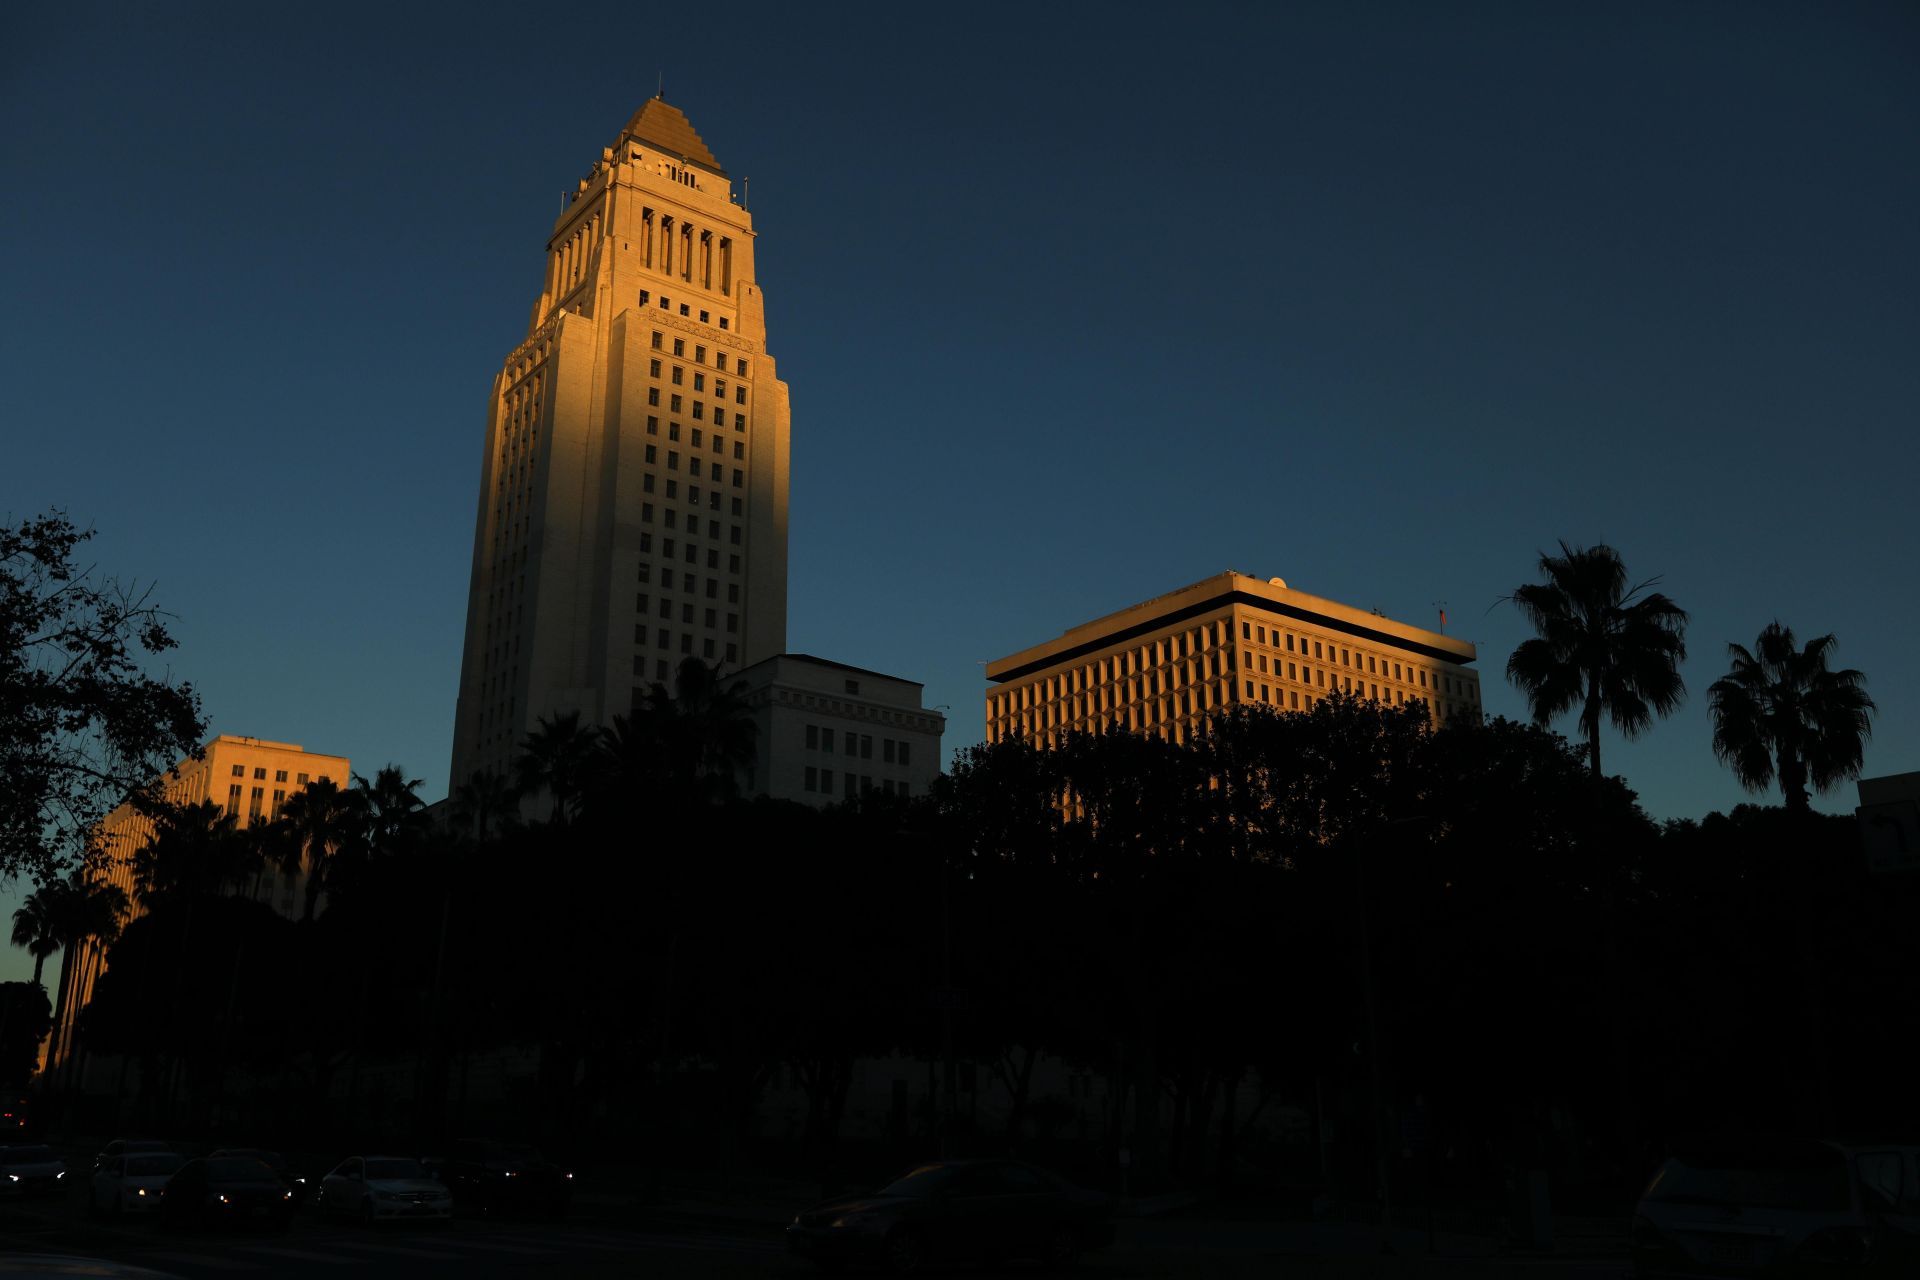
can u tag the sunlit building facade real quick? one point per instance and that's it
(633, 483)
(826, 732)
(1165, 665)
(248, 778)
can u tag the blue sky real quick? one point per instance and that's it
(1078, 303)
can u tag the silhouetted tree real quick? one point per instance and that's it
(25, 1018)
(81, 727)
(557, 758)
(36, 927)
(1781, 712)
(318, 821)
(485, 805)
(1610, 647)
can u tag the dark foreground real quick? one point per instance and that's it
(600, 1246)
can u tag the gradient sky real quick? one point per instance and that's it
(1078, 303)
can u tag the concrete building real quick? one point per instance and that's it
(1165, 665)
(828, 731)
(248, 777)
(633, 483)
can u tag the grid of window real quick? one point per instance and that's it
(1169, 684)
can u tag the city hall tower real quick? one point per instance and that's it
(633, 487)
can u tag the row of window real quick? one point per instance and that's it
(686, 616)
(1372, 664)
(858, 745)
(820, 782)
(709, 648)
(717, 473)
(666, 304)
(699, 356)
(677, 376)
(279, 775)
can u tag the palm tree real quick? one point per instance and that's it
(487, 801)
(691, 743)
(558, 757)
(196, 850)
(1782, 713)
(321, 819)
(392, 807)
(35, 926)
(1609, 648)
(81, 908)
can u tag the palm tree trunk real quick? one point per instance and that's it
(39, 964)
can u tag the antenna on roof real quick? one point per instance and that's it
(1441, 605)
(661, 90)
(746, 185)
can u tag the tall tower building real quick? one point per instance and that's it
(633, 489)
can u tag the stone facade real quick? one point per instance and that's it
(828, 731)
(633, 484)
(1165, 665)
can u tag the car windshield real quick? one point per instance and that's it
(152, 1166)
(1805, 1178)
(398, 1170)
(27, 1155)
(927, 1180)
(237, 1169)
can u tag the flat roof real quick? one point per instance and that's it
(837, 666)
(1221, 591)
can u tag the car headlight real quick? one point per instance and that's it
(59, 1175)
(13, 1177)
(140, 1191)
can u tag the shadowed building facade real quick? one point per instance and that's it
(827, 732)
(633, 484)
(1165, 665)
(249, 779)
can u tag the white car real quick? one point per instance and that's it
(132, 1183)
(373, 1188)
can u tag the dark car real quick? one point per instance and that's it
(503, 1176)
(962, 1210)
(16, 1119)
(31, 1171)
(226, 1191)
(1765, 1206)
(274, 1161)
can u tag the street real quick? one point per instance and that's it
(478, 1247)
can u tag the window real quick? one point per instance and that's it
(739, 395)
(673, 431)
(260, 774)
(733, 562)
(699, 380)
(653, 395)
(886, 751)
(673, 459)
(812, 779)
(853, 743)
(657, 335)
(734, 535)
(699, 411)
(826, 739)
(739, 422)
(733, 622)
(740, 367)
(239, 771)
(703, 317)
(700, 353)
(826, 781)
(300, 778)
(673, 403)
(733, 593)
(233, 798)
(849, 792)
(739, 478)
(866, 746)
(739, 452)
(813, 737)
(732, 654)
(279, 775)
(653, 425)
(679, 344)
(653, 366)
(903, 754)
(696, 437)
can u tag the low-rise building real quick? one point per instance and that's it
(1165, 665)
(250, 778)
(828, 731)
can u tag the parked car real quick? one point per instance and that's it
(501, 1176)
(1780, 1206)
(30, 1171)
(127, 1147)
(373, 1188)
(972, 1210)
(225, 1191)
(132, 1184)
(16, 1118)
(274, 1161)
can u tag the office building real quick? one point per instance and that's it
(1165, 665)
(828, 731)
(633, 482)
